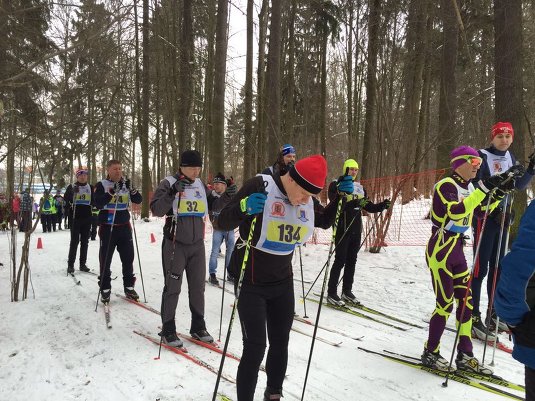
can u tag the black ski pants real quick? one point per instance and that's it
(345, 257)
(260, 307)
(79, 235)
(488, 251)
(530, 384)
(94, 225)
(120, 237)
(48, 221)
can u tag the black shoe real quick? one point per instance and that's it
(105, 296)
(491, 324)
(230, 278)
(335, 300)
(171, 339)
(129, 292)
(84, 268)
(272, 394)
(435, 361)
(93, 239)
(350, 298)
(202, 335)
(480, 331)
(213, 279)
(70, 269)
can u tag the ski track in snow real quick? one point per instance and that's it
(56, 347)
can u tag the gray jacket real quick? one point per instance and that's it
(190, 229)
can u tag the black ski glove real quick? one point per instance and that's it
(76, 188)
(180, 184)
(385, 204)
(531, 165)
(524, 333)
(127, 184)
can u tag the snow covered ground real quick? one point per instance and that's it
(56, 347)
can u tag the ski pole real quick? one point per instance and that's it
(103, 263)
(235, 306)
(326, 275)
(331, 252)
(303, 283)
(223, 297)
(495, 276)
(508, 207)
(468, 286)
(138, 258)
(364, 240)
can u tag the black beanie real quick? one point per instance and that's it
(220, 178)
(190, 158)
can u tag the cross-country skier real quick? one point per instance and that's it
(183, 200)
(112, 196)
(348, 234)
(221, 195)
(285, 159)
(515, 297)
(60, 202)
(78, 198)
(48, 212)
(497, 158)
(454, 202)
(286, 214)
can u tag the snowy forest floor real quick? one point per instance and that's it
(56, 347)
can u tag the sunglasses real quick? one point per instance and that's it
(475, 161)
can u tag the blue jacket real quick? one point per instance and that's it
(514, 286)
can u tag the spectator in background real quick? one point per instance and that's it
(60, 203)
(35, 209)
(15, 208)
(26, 211)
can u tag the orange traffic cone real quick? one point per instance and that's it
(39, 243)
(152, 238)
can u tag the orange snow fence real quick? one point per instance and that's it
(407, 222)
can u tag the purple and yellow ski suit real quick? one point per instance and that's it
(455, 201)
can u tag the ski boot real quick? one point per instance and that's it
(105, 296)
(171, 339)
(479, 330)
(491, 324)
(213, 280)
(70, 269)
(272, 394)
(84, 268)
(435, 361)
(350, 298)
(129, 292)
(335, 300)
(202, 335)
(471, 364)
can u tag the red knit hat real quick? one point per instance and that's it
(310, 173)
(501, 128)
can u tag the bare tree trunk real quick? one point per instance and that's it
(448, 85)
(272, 111)
(374, 20)
(248, 157)
(508, 80)
(209, 80)
(186, 76)
(217, 141)
(144, 134)
(261, 89)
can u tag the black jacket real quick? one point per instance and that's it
(83, 212)
(351, 213)
(101, 198)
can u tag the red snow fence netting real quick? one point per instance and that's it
(407, 222)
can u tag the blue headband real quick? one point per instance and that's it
(288, 149)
